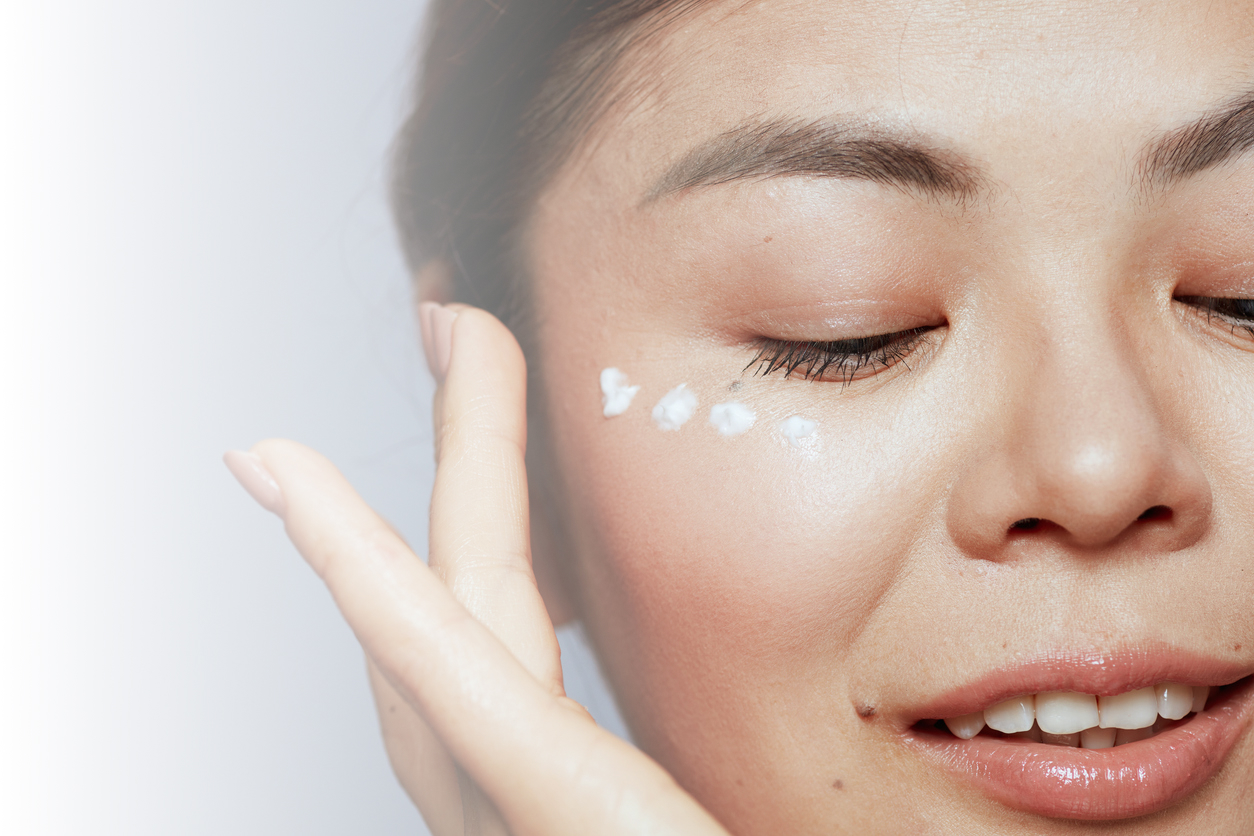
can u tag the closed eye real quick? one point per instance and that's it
(842, 360)
(1235, 314)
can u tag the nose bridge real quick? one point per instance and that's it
(1092, 445)
(1077, 448)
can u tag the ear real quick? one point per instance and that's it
(547, 559)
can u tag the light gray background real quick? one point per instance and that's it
(195, 254)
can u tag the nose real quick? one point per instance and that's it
(1077, 451)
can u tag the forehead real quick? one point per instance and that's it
(994, 80)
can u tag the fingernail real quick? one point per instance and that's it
(252, 474)
(424, 325)
(436, 322)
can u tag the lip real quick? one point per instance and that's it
(1097, 673)
(1135, 779)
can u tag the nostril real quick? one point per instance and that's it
(1158, 512)
(1026, 524)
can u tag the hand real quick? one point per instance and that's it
(462, 655)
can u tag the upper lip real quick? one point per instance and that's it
(1101, 673)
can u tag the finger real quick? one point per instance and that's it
(450, 802)
(441, 789)
(545, 766)
(418, 758)
(479, 535)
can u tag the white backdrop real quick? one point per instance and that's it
(195, 254)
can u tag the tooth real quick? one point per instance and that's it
(967, 726)
(1123, 736)
(1098, 738)
(1174, 700)
(1012, 716)
(1134, 710)
(1064, 712)
(1200, 694)
(1072, 740)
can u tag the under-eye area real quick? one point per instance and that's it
(1087, 721)
(845, 360)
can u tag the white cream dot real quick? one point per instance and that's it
(616, 395)
(732, 418)
(797, 428)
(675, 408)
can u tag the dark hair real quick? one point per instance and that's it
(506, 90)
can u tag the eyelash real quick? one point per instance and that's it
(844, 358)
(847, 358)
(1236, 313)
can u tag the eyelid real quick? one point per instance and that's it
(832, 321)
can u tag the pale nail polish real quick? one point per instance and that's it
(424, 328)
(253, 476)
(436, 322)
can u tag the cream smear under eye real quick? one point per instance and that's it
(616, 395)
(797, 428)
(731, 419)
(675, 408)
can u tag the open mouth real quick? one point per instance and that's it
(1070, 754)
(1062, 718)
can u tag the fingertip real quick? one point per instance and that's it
(485, 345)
(252, 474)
(273, 449)
(436, 323)
(294, 467)
(312, 488)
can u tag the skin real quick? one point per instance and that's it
(752, 601)
(746, 597)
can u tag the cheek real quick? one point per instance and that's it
(738, 557)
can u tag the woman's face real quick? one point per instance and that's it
(1044, 482)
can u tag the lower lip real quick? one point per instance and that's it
(1135, 779)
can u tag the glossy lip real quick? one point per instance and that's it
(1062, 782)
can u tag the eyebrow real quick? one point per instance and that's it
(832, 148)
(823, 148)
(1221, 135)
